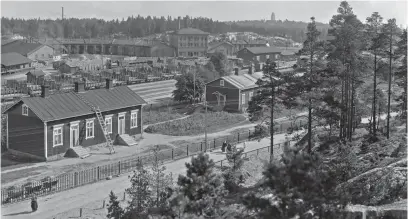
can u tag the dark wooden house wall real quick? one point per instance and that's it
(98, 135)
(232, 99)
(248, 56)
(161, 50)
(25, 133)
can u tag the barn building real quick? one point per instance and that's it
(33, 51)
(48, 126)
(232, 92)
(260, 54)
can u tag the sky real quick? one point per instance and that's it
(217, 10)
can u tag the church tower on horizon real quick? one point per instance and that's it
(273, 17)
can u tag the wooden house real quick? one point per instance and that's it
(69, 67)
(48, 126)
(232, 92)
(260, 54)
(35, 76)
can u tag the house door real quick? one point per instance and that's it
(74, 135)
(121, 125)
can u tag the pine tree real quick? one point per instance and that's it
(140, 193)
(233, 175)
(114, 209)
(401, 75)
(292, 187)
(185, 87)
(200, 190)
(374, 26)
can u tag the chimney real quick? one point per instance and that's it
(236, 71)
(79, 87)
(109, 83)
(45, 91)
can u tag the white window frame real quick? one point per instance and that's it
(243, 98)
(109, 117)
(251, 94)
(134, 113)
(23, 109)
(93, 128)
(222, 83)
(55, 128)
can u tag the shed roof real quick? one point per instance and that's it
(36, 72)
(69, 105)
(242, 82)
(191, 31)
(20, 47)
(13, 58)
(263, 50)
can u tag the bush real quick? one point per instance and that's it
(194, 124)
(157, 116)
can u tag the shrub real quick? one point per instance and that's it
(195, 124)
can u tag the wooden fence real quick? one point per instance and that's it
(71, 180)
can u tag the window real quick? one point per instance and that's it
(108, 123)
(57, 135)
(133, 119)
(250, 95)
(90, 129)
(221, 82)
(25, 110)
(243, 99)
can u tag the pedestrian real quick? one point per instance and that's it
(224, 145)
(34, 203)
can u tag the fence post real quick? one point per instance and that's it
(80, 212)
(119, 167)
(221, 163)
(257, 152)
(214, 143)
(172, 154)
(238, 138)
(99, 173)
(187, 150)
(103, 204)
(75, 179)
(124, 196)
(201, 146)
(281, 127)
(249, 134)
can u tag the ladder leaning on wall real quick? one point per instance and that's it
(109, 142)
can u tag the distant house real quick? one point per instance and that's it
(48, 126)
(190, 42)
(224, 47)
(14, 61)
(288, 55)
(240, 44)
(68, 67)
(33, 51)
(260, 54)
(35, 76)
(162, 50)
(232, 92)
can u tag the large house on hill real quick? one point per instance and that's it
(46, 127)
(190, 42)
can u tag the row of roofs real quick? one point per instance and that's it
(131, 42)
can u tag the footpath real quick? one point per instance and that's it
(73, 199)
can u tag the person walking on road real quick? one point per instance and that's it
(34, 203)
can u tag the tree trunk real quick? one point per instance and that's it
(389, 88)
(374, 93)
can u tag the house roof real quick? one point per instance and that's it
(242, 82)
(4, 42)
(191, 31)
(37, 72)
(20, 47)
(263, 50)
(69, 105)
(217, 44)
(13, 58)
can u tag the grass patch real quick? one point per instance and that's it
(194, 124)
(160, 116)
(14, 175)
